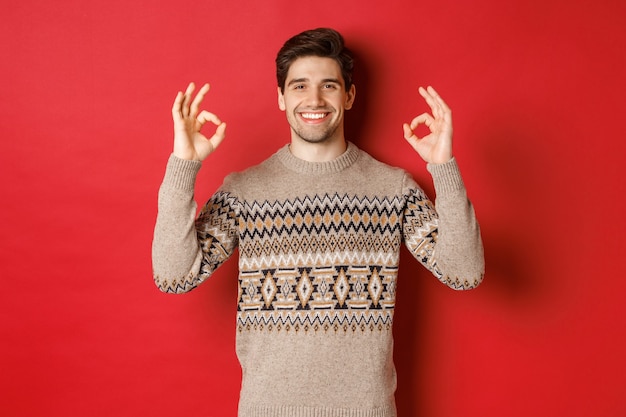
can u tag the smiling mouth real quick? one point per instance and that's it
(313, 116)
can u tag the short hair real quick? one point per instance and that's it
(321, 42)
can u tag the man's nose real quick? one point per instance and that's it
(315, 98)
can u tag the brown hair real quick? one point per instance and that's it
(322, 42)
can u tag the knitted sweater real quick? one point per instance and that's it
(319, 247)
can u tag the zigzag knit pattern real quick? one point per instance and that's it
(315, 263)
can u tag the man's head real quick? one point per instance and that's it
(322, 42)
(315, 86)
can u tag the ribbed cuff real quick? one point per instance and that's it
(181, 173)
(446, 177)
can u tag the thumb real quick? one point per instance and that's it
(218, 137)
(408, 133)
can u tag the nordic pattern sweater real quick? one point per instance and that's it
(319, 247)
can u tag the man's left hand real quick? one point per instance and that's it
(436, 147)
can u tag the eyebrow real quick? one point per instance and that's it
(324, 81)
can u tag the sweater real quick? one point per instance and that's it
(319, 249)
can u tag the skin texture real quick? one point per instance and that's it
(315, 101)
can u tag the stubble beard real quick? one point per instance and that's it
(312, 134)
(315, 137)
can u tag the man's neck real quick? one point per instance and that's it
(318, 152)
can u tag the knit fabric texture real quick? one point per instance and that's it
(319, 248)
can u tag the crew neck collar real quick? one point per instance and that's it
(301, 166)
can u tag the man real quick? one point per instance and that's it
(319, 226)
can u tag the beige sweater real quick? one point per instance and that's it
(319, 247)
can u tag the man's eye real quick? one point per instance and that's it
(329, 86)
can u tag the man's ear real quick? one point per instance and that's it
(350, 97)
(281, 99)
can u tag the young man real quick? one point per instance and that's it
(319, 226)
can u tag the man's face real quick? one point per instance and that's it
(315, 99)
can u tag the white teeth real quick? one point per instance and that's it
(313, 115)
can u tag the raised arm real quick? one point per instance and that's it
(186, 251)
(445, 238)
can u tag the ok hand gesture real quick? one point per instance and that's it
(189, 143)
(435, 147)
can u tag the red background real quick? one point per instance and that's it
(85, 94)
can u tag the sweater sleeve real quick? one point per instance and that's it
(185, 249)
(445, 237)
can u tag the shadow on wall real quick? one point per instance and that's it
(517, 224)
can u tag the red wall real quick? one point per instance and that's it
(537, 92)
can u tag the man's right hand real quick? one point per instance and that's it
(189, 143)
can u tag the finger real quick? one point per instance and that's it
(438, 107)
(206, 116)
(219, 136)
(410, 137)
(431, 101)
(187, 99)
(177, 106)
(440, 100)
(195, 105)
(408, 132)
(423, 118)
(436, 102)
(424, 92)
